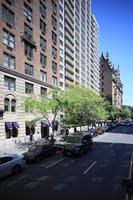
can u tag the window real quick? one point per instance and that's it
(9, 83)
(54, 67)
(61, 17)
(28, 69)
(54, 81)
(7, 15)
(6, 104)
(27, 12)
(42, 9)
(54, 52)
(54, 37)
(28, 50)
(13, 105)
(43, 60)
(8, 39)
(42, 26)
(54, 23)
(8, 61)
(43, 90)
(28, 88)
(10, 2)
(43, 76)
(28, 31)
(54, 7)
(61, 8)
(43, 43)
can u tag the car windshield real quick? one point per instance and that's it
(73, 139)
(34, 148)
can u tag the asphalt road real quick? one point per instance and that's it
(96, 175)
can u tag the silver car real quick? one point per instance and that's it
(11, 164)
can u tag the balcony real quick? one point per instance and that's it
(30, 41)
(69, 54)
(69, 69)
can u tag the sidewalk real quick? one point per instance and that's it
(20, 145)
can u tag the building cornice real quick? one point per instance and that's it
(23, 76)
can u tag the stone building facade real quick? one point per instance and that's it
(110, 84)
(29, 57)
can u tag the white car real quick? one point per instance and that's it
(11, 164)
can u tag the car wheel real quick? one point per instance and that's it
(81, 152)
(16, 169)
(37, 159)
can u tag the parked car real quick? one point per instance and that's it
(39, 151)
(100, 130)
(61, 142)
(11, 164)
(77, 144)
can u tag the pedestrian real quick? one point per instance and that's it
(31, 136)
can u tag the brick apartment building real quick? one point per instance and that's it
(29, 57)
(110, 84)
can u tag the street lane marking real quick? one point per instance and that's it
(59, 187)
(11, 184)
(71, 179)
(43, 178)
(23, 177)
(55, 162)
(89, 167)
(32, 185)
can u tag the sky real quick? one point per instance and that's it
(115, 19)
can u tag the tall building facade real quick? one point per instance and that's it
(29, 57)
(79, 38)
(94, 61)
(110, 84)
(54, 43)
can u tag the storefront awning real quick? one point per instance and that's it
(15, 124)
(8, 125)
(45, 123)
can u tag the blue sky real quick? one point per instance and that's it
(115, 19)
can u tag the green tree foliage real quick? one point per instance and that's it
(127, 112)
(81, 106)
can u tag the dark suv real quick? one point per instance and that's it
(77, 144)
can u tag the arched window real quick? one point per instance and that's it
(13, 105)
(6, 104)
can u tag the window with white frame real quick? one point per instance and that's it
(8, 61)
(6, 104)
(28, 69)
(54, 79)
(54, 7)
(54, 52)
(42, 9)
(43, 76)
(54, 37)
(43, 43)
(42, 26)
(28, 31)
(54, 67)
(43, 60)
(13, 105)
(7, 15)
(54, 23)
(28, 88)
(9, 83)
(28, 50)
(27, 12)
(8, 39)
